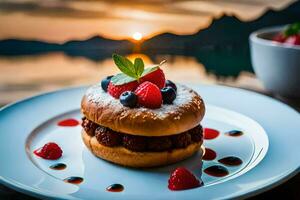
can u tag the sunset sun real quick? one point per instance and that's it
(137, 36)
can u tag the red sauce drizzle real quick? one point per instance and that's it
(209, 154)
(210, 133)
(115, 188)
(68, 122)
(217, 171)
(74, 180)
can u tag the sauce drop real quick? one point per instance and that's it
(231, 161)
(68, 122)
(234, 133)
(217, 171)
(210, 133)
(58, 166)
(209, 154)
(115, 188)
(73, 180)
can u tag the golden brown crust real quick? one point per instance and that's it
(125, 157)
(185, 113)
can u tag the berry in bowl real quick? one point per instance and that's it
(137, 118)
(290, 35)
(275, 56)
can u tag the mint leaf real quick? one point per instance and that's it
(139, 66)
(292, 29)
(131, 71)
(121, 79)
(125, 65)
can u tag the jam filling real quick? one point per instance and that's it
(110, 138)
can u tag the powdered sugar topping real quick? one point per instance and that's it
(184, 98)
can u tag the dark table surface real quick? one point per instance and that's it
(290, 189)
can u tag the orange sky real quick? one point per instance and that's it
(59, 21)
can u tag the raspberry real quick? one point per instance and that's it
(117, 90)
(134, 143)
(149, 95)
(50, 151)
(196, 133)
(159, 144)
(182, 179)
(157, 77)
(107, 137)
(181, 140)
(89, 126)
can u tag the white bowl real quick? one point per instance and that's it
(276, 64)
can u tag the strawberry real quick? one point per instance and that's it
(117, 90)
(149, 95)
(182, 179)
(134, 73)
(50, 151)
(157, 77)
(294, 39)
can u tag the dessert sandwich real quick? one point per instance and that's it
(137, 118)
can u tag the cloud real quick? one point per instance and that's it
(49, 10)
(244, 9)
(62, 20)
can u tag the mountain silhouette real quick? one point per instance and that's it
(222, 47)
(73, 48)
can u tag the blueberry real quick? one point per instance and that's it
(168, 95)
(128, 99)
(171, 84)
(105, 82)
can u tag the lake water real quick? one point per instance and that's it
(23, 76)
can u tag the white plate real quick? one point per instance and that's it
(268, 149)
